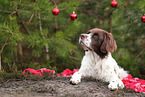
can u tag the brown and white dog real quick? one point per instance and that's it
(98, 62)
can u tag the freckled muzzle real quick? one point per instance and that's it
(82, 39)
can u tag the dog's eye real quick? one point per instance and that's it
(95, 35)
(88, 32)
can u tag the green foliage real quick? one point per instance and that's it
(4, 76)
(38, 34)
(122, 57)
(9, 31)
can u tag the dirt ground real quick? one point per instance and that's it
(60, 87)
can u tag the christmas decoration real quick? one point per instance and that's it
(138, 85)
(55, 11)
(114, 3)
(143, 18)
(40, 72)
(73, 16)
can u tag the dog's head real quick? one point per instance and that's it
(99, 41)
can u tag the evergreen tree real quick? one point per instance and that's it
(9, 34)
(124, 22)
(48, 39)
(32, 37)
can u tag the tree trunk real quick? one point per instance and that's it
(56, 25)
(20, 51)
(46, 47)
(47, 52)
(0, 63)
(110, 21)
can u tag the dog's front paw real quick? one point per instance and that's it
(114, 85)
(76, 78)
(74, 81)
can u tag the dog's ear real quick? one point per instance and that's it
(109, 44)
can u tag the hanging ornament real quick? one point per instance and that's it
(143, 18)
(114, 3)
(73, 16)
(55, 11)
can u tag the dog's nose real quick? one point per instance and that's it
(83, 36)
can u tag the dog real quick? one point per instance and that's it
(98, 62)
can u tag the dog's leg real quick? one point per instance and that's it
(115, 83)
(86, 68)
(115, 75)
(76, 78)
(85, 65)
(83, 71)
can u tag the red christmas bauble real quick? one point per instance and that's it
(114, 3)
(55, 11)
(143, 18)
(73, 16)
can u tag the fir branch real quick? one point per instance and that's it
(40, 25)
(74, 58)
(140, 53)
(5, 44)
(31, 18)
(17, 14)
(6, 40)
(5, 11)
(14, 12)
(54, 2)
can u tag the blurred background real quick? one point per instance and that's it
(32, 37)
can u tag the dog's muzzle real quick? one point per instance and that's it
(86, 48)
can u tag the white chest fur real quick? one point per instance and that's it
(104, 69)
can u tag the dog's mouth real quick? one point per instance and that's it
(86, 48)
